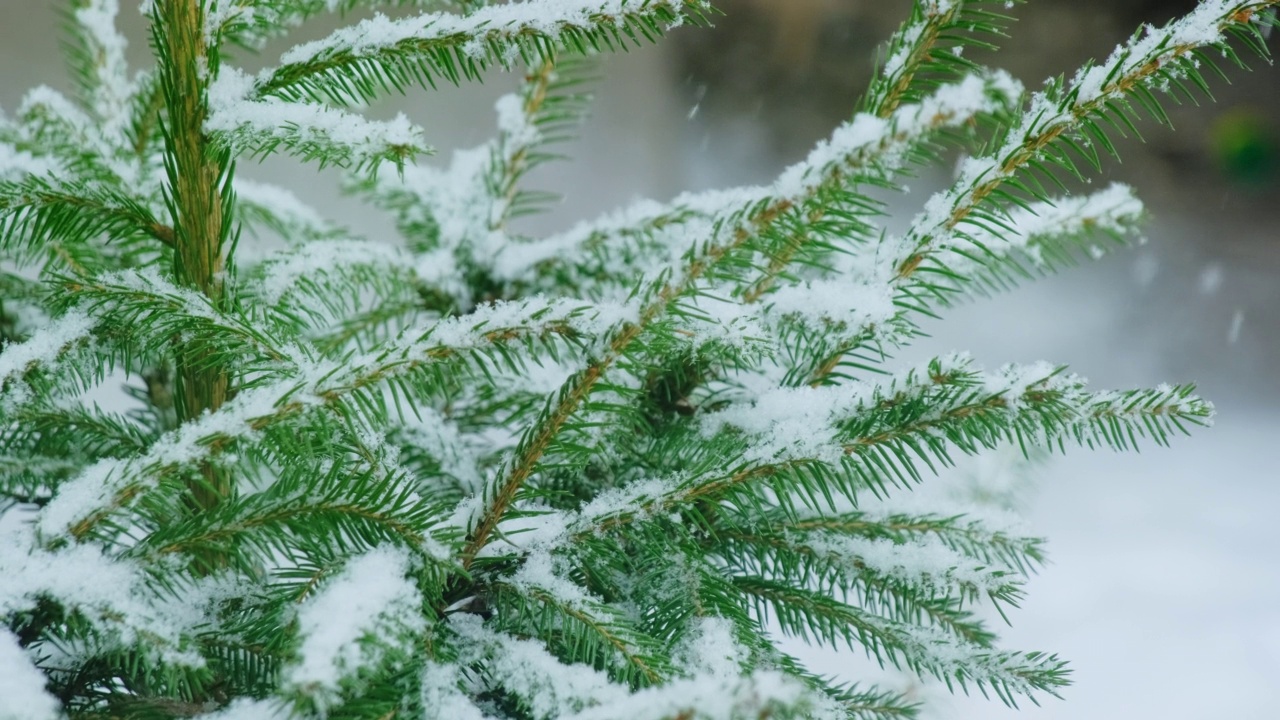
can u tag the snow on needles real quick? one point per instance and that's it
(865, 143)
(790, 422)
(1114, 210)
(757, 695)
(925, 562)
(306, 126)
(22, 692)
(1202, 26)
(536, 313)
(282, 205)
(283, 271)
(948, 106)
(112, 91)
(1152, 58)
(111, 593)
(354, 620)
(98, 485)
(546, 17)
(43, 348)
(910, 35)
(16, 164)
(552, 690)
(549, 689)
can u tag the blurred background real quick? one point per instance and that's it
(1164, 583)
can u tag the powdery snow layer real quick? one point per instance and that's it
(96, 20)
(354, 619)
(259, 122)
(22, 686)
(549, 18)
(44, 348)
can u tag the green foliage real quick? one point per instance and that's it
(464, 473)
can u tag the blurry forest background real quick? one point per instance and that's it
(1164, 575)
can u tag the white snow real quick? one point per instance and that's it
(22, 686)
(97, 486)
(433, 433)
(16, 164)
(113, 593)
(281, 203)
(550, 689)
(253, 122)
(884, 141)
(790, 422)
(244, 708)
(1197, 28)
(112, 91)
(1115, 210)
(532, 315)
(539, 574)
(458, 201)
(513, 122)
(349, 624)
(855, 304)
(1158, 48)
(815, 300)
(441, 697)
(283, 271)
(546, 17)
(1237, 322)
(711, 650)
(757, 695)
(866, 143)
(1210, 279)
(625, 500)
(44, 347)
(305, 383)
(925, 563)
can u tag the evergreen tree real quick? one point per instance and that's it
(473, 474)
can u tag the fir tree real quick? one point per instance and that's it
(473, 474)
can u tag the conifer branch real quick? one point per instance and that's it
(803, 181)
(865, 150)
(538, 610)
(328, 136)
(108, 486)
(35, 212)
(808, 614)
(548, 110)
(830, 564)
(1056, 114)
(1055, 117)
(909, 50)
(362, 511)
(277, 209)
(253, 22)
(383, 56)
(152, 310)
(968, 536)
(575, 391)
(97, 59)
(928, 46)
(45, 347)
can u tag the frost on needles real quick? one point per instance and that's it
(255, 464)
